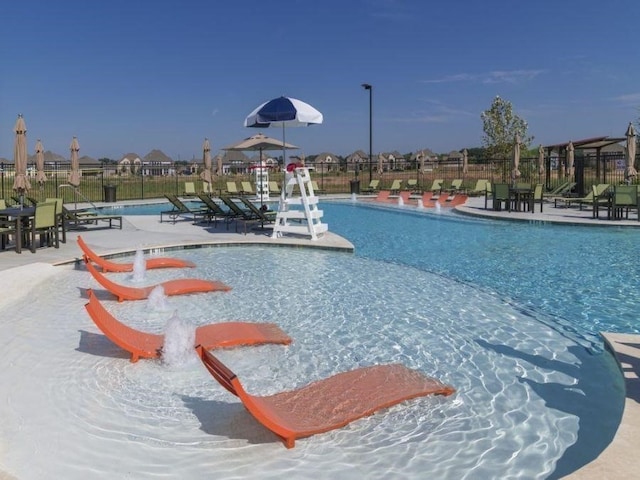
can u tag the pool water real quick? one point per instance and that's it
(503, 312)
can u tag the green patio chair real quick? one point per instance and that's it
(396, 186)
(45, 225)
(537, 197)
(189, 189)
(501, 194)
(274, 187)
(456, 186)
(480, 188)
(232, 188)
(373, 186)
(247, 188)
(625, 198)
(436, 186)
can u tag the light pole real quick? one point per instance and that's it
(369, 87)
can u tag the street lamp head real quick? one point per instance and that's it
(367, 86)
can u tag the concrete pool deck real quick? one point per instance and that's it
(618, 460)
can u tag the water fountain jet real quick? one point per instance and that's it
(179, 339)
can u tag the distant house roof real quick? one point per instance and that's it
(326, 157)
(157, 156)
(85, 159)
(233, 156)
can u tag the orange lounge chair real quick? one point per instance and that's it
(442, 199)
(457, 200)
(383, 196)
(151, 263)
(149, 345)
(404, 195)
(180, 286)
(426, 200)
(329, 403)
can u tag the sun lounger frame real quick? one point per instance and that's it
(313, 409)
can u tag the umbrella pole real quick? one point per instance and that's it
(261, 179)
(284, 163)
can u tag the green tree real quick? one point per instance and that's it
(500, 127)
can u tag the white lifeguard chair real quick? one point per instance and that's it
(261, 172)
(299, 214)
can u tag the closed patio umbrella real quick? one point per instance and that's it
(380, 163)
(515, 173)
(21, 182)
(570, 159)
(74, 176)
(40, 175)
(630, 171)
(465, 161)
(219, 166)
(206, 160)
(541, 160)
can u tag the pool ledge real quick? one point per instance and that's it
(620, 459)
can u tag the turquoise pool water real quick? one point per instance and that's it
(586, 278)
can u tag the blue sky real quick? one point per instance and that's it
(131, 76)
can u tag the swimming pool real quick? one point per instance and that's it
(480, 305)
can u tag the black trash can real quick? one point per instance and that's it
(355, 186)
(109, 193)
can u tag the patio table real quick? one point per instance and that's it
(521, 198)
(20, 216)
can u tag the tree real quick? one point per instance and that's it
(500, 127)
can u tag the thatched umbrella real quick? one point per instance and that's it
(206, 160)
(74, 176)
(40, 175)
(21, 182)
(631, 171)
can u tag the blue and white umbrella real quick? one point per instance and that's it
(283, 112)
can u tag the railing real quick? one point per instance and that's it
(610, 169)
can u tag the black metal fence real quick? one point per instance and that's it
(106, 183)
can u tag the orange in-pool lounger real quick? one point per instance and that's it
(216, 335)
(151, 263)
(329, 403)
(179, 286)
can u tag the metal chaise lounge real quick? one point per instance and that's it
(180, 210)
(77, 220)
(330, 403)
(216, 335)
(265, 216)
(181, 286)
(150, 263)
(217, 212)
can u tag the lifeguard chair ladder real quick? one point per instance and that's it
(301, 214)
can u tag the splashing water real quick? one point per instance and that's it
(420, 204)
(139, 266)
(179, 339)
(438, 207)
(400, 202)
(353, 198)
(157, 299)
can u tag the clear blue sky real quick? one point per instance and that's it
(131, 76)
